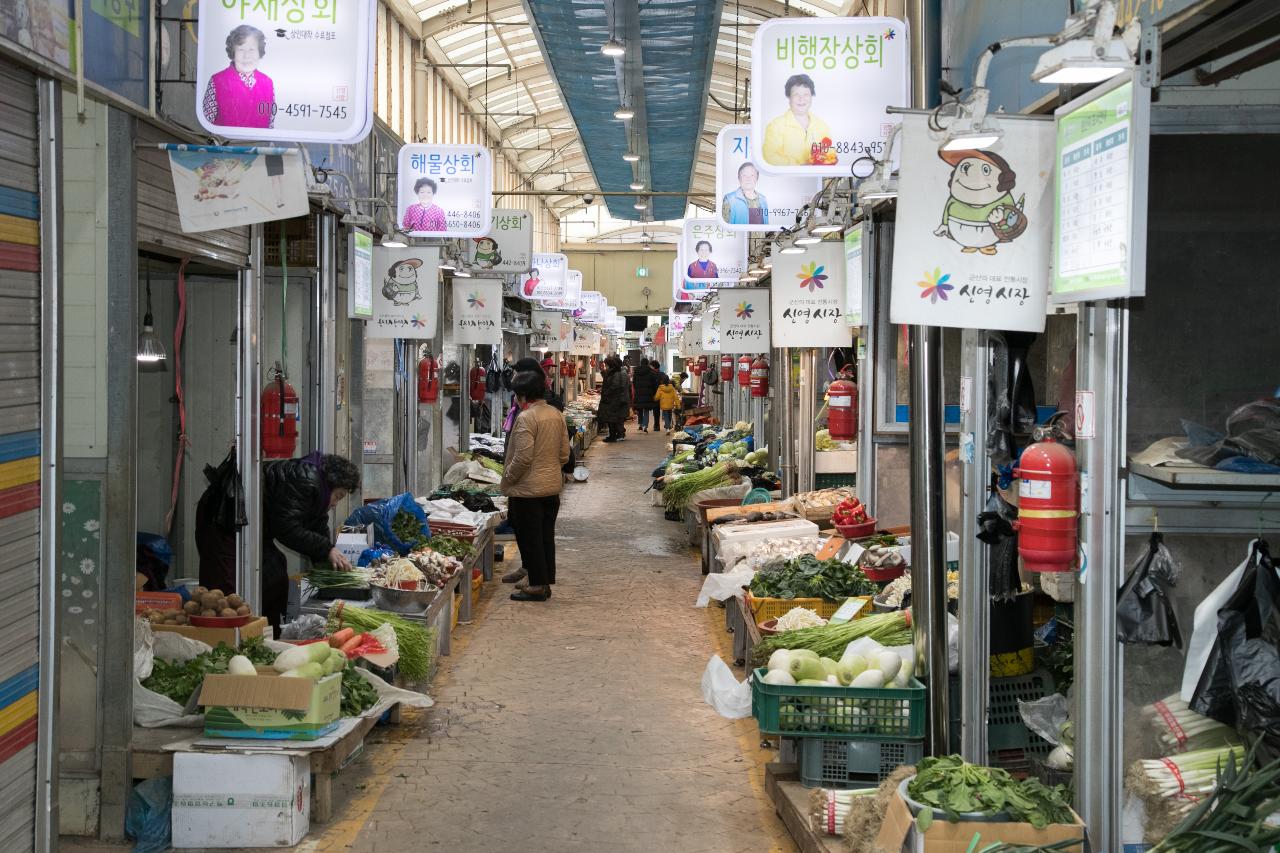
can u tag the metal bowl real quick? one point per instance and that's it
(402, 600)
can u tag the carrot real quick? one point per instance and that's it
(339, 637)
(352, 643)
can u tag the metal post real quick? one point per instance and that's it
(804, 439)
(50, 93)
(975, 598)
(407, 412)
(248, 440)
(784, 411)
(1101, 367)
(324, 370)
(866, 477)
(466, 357)
(928, 530)
(437, 408)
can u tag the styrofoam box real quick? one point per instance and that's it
(231, 800)
(352, 545)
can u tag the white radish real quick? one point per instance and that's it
(869, 678)
(779, 660)
(889, 663)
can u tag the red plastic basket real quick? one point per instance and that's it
(857, 531)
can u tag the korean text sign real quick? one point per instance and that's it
(751, 198)
(360, 275)
(286, 70)
(710, 253)
(477, 311)
(744, 320)
(807, 299)
(508, 248)
(820, 88)
(444, 190)
(545, 280)
(405, 293)
(711, 332)
(972, 240)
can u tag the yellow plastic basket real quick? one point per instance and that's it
(764, 609)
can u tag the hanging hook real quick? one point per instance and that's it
(1155, 521)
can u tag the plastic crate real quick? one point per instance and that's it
(1005, 729)
(887, 713)
(827, 763)
(832, 481)
(764, 609)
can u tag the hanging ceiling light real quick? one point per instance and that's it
(790, 248)
(446, 262)
(806, 240)
(641, 204)
(631, 157)
(394, 240)
(151, 354)
(637, 185)
(461, 273)
(613, 47)
(648, 247)
(1086, 50)
(624, 112)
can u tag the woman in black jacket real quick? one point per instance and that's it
(644, 384)
(297, 495)
(615, 399)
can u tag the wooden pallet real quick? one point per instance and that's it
(791, 804)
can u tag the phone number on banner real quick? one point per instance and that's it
(304, 110)
(847, 146)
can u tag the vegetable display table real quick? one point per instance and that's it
(746, 633)
(791, 803)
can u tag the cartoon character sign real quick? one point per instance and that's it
(400, 285)
(488, 255)
(981, 212)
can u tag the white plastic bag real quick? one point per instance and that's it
(724, 586)
(151, 710)
(1204, 627)
(730, 698)
(391, 693)
(722, 492)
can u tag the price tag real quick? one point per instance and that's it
(848, 611)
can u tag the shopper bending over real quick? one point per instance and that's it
(297, 495)
(645, 384)
(615, 399)
(668, 399)
(532, 481)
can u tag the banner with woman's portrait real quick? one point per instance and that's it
(444, 190)
(819, 92)
(300, 71)
(751, 198)
(711, 254)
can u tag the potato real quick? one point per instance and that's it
(208, 600)
(181, 619)
(155, 618)
(192, 607)
(226, 612)
(199, 590)
(220, 605)
(208, 612)
(234, 600)
(243, 610)
(218, 593)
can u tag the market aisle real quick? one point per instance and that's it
(575, 726)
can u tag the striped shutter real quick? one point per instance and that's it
(19, 453)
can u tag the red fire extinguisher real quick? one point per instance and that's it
(1048, 506)
(477, 384)
(726, 368)
(744, 371)
(842, 410)
(760, 377)
(280, 410)
(428, 379)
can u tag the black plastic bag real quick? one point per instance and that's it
(995, 530)
(1144, 612)
(1240, 684)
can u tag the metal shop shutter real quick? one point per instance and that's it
(19, 454)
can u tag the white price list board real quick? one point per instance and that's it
(1099, 230)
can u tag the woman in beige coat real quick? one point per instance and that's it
(531, 480)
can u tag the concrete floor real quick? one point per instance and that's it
(575, 725)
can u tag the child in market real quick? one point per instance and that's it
(668, 398)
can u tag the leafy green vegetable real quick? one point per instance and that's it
(954, 787)
(808, 577)
(408, 529)
(180, 679)
(325, 576)
(358, 695)
(829, 641)
(1236, 816)
(450, 546)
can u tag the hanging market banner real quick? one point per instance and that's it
(711, 332)
(592, 305)
(971, 245)
(545, 323)
(820, 88)
(220, 187)
(854, 275)
(477, 311)
(360, 275)
(675, 322)
(405, 293)
(570, 298)
(508, 248)
(752, 199)
(744, 320)
(684, 290)
(807, 299)
(585, 341)
(711, 254)
(297, 71)
(693, 338)
(546, 278)
(444, 190)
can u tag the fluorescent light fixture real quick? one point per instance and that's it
(461, 273)
(637, 185)
(767, 263)
(631, 157)
(624, 112)
(394, 240)
(757, 270)
(613, 47)
(806, 240)
(640, 204)
(826, 228)
(877, 188)
(1082, 61)
(447, 264)
(792, 250)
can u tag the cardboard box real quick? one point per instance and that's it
(352, 545)
(835, 462)
(234, 800)
(269, 707)
(898, 832)
(213, 636)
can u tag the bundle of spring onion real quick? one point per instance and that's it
(325, 576)
(676, 493)
(829, 810)
(416, 642)
(1190, 774)
(1181, 729)
(829, 641)
(1238, 816)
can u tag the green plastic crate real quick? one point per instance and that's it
(829, 763)
(834, 481)
(887, 713)
(1005, 729)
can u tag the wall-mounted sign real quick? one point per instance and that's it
(854, 276)
(712, 254)
(592, 305)
(750, 198)
(444, 190)
(807, 304)
(406, 290)
(585, 341)
(508, 247)
(744, 320)
(544, 329)
(546, 279)
(570, 298)
(360, 275)
(219, 189)
(711, 332)
(1100, 226)
(297, 71)
(971, 244)
(675, 323)
(820, 88)
(477, 311)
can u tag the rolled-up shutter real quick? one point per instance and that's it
(19, 453)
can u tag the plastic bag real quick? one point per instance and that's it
(721, 690)
(1240, 684)
(390, 693)
(368, 555)
(382, 513)
(738, 490)
(150, 709)
(1046, 717)
(1204, 628)
(724, 586)
(148, 819)
(1144, 611)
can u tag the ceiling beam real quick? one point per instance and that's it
(466, 13)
